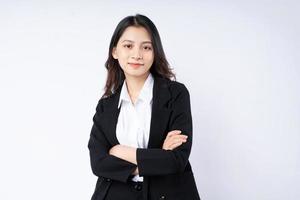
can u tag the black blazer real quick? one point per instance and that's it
(167, 173)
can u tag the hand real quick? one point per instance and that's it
(174, 139)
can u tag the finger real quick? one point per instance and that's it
(172, 140)
(175, 145)
(181, 140)
(174, 132)
(175, 139)
(180, 136)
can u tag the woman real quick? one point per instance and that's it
(141, 137)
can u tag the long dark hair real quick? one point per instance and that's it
(160, 66)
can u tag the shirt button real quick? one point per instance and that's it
(162, 197)
(108, 180)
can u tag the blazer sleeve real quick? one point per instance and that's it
(102, 163)
(157, 161)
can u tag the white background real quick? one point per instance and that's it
(239, 60)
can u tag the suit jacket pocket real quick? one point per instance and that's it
(101, 189)
(180, 186)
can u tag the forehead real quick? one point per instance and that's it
(135, 34)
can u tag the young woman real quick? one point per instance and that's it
(141, 137)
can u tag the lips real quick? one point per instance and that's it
(135, 65)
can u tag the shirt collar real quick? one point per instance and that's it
(145, 93)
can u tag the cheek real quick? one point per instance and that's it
(123, 54)
(150, 60)
(149, 56)
(123, 58)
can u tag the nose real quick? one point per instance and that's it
(136, 54)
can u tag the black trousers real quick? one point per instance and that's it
(123, 191)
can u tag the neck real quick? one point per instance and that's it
(135, 84)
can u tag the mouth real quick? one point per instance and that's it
(135, 65)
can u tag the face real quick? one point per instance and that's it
(134, 52)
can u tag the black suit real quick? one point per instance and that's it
(167, 173)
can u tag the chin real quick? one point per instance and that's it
(136, 74)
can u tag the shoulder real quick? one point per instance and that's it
(177, 88)
(172, 85)
(108, 101)
(102, 102)
(179, 96)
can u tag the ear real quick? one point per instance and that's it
(114, 53)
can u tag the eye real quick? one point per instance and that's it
(128, 46)
(147, 48)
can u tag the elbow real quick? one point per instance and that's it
(181, 161)
(181, 165)
(96, 166)
(94, 169)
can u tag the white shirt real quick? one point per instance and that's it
(133, 124)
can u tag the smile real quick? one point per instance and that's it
(135, 65)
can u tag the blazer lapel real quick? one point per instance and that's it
(109, 117)
(160, 113)
(159, 117)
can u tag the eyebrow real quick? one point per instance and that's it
(133, 41)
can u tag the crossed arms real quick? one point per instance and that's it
(120, 161)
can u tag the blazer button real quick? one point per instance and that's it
(108, 180)
(162, 197)
(138, 187)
